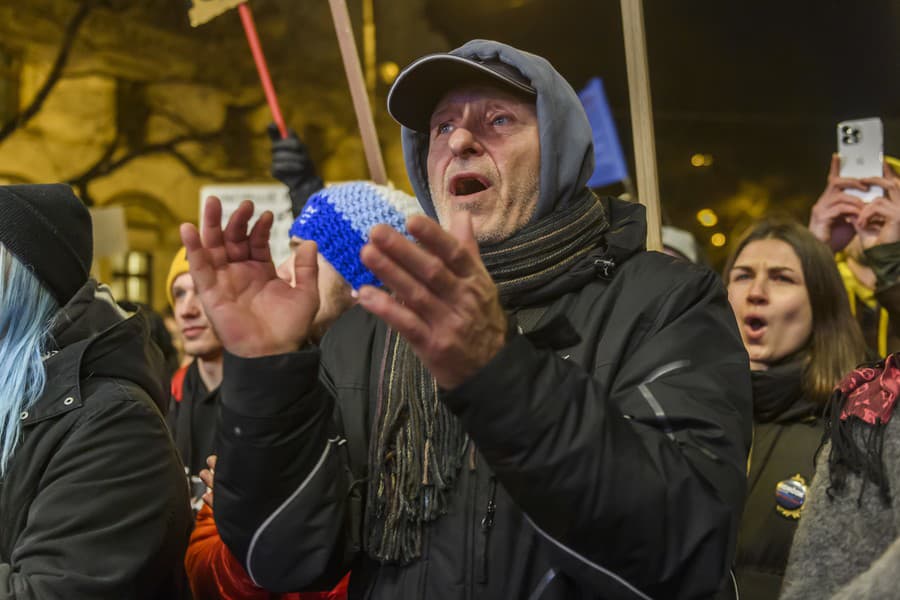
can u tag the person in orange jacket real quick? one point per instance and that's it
(214, 572)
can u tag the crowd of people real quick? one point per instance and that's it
(489, 389)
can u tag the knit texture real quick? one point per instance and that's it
(179, 265)
(339, 217)
(846, 546)
(49, 230)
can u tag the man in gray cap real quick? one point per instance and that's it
(539, 408)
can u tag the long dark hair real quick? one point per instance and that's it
(835, 345)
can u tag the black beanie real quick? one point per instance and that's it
(48, 229)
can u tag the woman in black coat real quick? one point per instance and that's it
(93, 503)
(796, 325)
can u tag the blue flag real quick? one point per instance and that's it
(609, 163)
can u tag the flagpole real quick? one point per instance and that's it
(260, 60)
(642, 117)
(357, 84)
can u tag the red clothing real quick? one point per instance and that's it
(215, 574)
(177, 385)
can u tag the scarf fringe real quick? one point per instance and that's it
(856, 447)
(417, 438)
(418, 445)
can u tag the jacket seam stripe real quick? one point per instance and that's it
(548, 577)
(283, 506)
(666, 369)
(655, 406)
(657, 410)
(638, 593)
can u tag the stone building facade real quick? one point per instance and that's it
(147, 110)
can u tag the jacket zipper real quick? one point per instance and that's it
(487, 523)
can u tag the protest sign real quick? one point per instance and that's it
(203, 11)
(265, 196)
(110, 231)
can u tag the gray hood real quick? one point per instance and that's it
(567, 151)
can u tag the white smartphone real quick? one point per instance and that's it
(861, 146)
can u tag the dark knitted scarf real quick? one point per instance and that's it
(418, 446)
(861, 406)
(778, 394)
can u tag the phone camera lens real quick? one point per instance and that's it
(849, 135)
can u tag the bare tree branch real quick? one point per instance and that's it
(106, 165)
(81, 181)
(198, 172)
(62, 57)
(179, 120)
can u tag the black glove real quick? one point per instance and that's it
(292, 165)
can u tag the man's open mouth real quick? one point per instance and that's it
(468, 184)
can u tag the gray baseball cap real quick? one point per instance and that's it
(422, 84)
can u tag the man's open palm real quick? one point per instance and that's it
(253, 312)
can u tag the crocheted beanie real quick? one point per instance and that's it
(338, 218)
(179, 265)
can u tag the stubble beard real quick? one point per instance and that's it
(522, 191)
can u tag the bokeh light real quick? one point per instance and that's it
(707, 217)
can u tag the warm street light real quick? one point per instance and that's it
(707, 217)
(388, 71)
(701, 160)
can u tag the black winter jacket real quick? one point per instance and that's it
(94, 505)
(192, 420)
(787, 432)
(610, 464)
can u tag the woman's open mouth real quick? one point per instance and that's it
(755, 326)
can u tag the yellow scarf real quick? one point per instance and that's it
(857, 291)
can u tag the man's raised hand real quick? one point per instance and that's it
(444, 302)
(253, 312)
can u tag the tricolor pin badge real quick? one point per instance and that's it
(790, 496)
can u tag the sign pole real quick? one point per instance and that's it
(642, 117)
(260, 60)
(357, 85)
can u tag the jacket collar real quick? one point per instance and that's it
(62, 391)
(89, 326)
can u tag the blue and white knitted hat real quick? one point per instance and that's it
(338, 218)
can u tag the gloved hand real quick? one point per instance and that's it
(292, 165)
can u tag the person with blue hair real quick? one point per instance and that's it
(92, 497)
